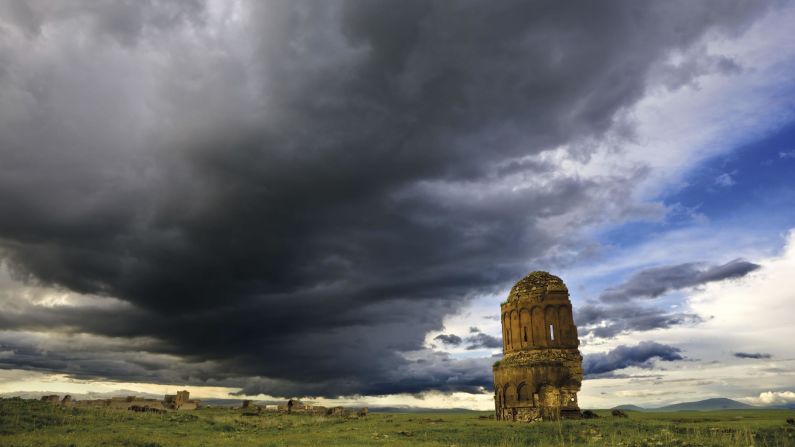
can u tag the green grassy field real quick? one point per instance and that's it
(33, 423)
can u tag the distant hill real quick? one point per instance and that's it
(119, 393)
(629, 407)
(80, 396)
(407, 409)
(718, 403)
(234, 403)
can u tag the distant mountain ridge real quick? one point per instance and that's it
(81, 396)
(410, 409)
(124, 393)
(717, 403)
(629, 407)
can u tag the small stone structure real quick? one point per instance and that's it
(541, 371)
(52, 399)
(180, 401)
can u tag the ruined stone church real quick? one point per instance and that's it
(541, 370)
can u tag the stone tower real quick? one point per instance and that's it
(541, 370)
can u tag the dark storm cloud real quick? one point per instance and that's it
(292, 196)
(481, 340)
(752, 355)
(654, 282)
(425, 370)
(449, 339)
(609, 321)
(76, 355)
(640, 356)
(120, 20)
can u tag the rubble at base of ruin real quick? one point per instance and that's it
(171, 402)
(541, 370)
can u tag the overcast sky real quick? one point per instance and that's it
(329, 200)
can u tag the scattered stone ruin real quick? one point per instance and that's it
(541, 370)
(179, 401)
(295, 406)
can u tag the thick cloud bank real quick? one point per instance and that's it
(640, 356)
(449, 339)
(752, 355)
(618, 312)
(654, 282)
(287, 196)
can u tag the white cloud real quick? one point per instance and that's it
(772, 398)
(725, 180)
(754, 314)
(16, 380)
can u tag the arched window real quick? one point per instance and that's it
(516, 332)
(551, 318)
(525, 333)
(523, 392)
(509, 394)
(506, 327)
(538, 335)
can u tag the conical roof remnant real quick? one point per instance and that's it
(536, 284)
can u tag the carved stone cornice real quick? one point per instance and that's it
(532, 357)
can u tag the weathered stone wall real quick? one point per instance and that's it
(180, 401)
(537, 321)
(190, 405)
(182, 397)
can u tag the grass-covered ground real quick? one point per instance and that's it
(33, 423)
